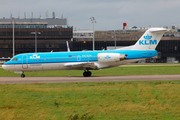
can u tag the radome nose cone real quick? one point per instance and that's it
(4, 67)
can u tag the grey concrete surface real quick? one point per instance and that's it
(17, 80)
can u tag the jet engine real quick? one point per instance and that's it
(110, 57)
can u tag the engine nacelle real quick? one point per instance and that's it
(110, 57)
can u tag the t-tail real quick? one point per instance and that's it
(150, 39)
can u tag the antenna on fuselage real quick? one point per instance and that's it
(68, 49)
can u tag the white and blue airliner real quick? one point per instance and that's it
(87, 60)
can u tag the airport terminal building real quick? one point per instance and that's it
(52, 34)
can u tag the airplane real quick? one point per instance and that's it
(87, 60)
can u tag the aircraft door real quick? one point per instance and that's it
(78, 58)
(24, 61)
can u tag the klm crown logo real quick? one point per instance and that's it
(107, 57)
(147, 37)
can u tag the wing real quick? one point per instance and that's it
(90, 65)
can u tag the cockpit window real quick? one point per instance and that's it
(14, 59)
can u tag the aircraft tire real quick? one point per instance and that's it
(87, 74)
(22, 75)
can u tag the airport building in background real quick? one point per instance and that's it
(54, 32)
(52, 35)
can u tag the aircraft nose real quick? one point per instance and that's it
(4, 67)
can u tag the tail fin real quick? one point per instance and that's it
(149, 39)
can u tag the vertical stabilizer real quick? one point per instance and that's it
(150, 39)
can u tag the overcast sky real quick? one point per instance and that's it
(109, 14)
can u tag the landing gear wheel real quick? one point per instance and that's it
(87, 74)
(22, 75)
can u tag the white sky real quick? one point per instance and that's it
(109, 14)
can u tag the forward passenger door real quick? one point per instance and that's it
(24, 61)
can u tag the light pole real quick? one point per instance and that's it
(13, 38)
(93, 20)
(35, 39)
(115, 38)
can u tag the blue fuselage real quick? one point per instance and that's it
(78, 56)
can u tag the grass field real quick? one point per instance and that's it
(150, 100)
(156, 64)
(91, 101)
(130, 70)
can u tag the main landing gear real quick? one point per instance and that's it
(87, 73)
(22, 75)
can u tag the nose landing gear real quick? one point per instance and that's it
(87, 73)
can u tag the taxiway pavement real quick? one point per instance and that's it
(17, 80)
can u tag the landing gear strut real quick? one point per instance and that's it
(22, 75)
(87, 73)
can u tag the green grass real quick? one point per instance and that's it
(97, 101)
(158, 64)
(138, 70)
